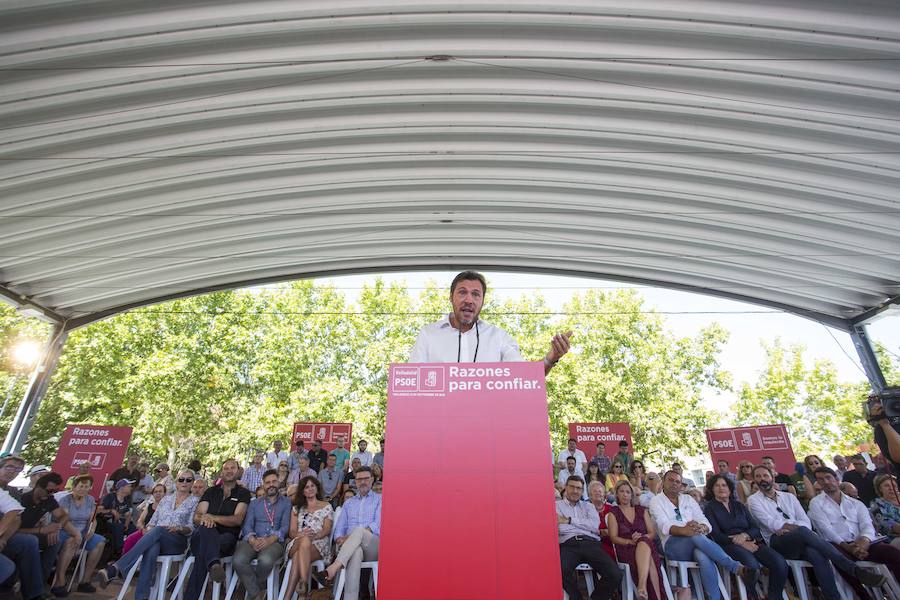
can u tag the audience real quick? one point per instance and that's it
(166, 534)
(19, 550)
(302, 470)
(683, 528)
(573, 451)
(734, 529)
(744, 480)
(342, 455)
(579, 542)
(365, 458)
(600, 459)
(199, 487)
(787, 529)
(885, 509)
(217, 522)
(356, 534)
(294, 458)
(164, 477)
(349, 482)
(10, 467)
(637, 475)
(252, 477)
(312, 518)
(850, 490)
(274, 458)
(633, 534)
(80, 506)
(264, 531)
(862, 478)
(781, 481)
(39, 506)
(331, 479)
(847, 524)
(571, 470)
(146, 513)
(115, 509)
(615, 475)
(317, 456)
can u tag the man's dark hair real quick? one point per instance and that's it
(769, 457)
(857, 458)
(270, 472)
(666, 474)
(195, 466)
(623, 443)
(48, 478)
(574, 478)
(573, 440)
(572, 458)
(723, 460)
(361, 441)
(757, 467)
(469, 276)
(601, 444)
(711, 482)
(825, 471)
(365, 470)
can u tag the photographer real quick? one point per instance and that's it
(887, 428)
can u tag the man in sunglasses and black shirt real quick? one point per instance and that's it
(217, 522)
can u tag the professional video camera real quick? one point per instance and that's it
(889, 398)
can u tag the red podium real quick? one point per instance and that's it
(468, 509)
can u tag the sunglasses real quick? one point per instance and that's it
(185, 480)
(617, 467)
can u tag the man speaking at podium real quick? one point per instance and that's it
(462, 337)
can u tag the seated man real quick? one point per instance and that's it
(19, 552)
(683, 528)
(847, 524)
(862, 478)
(356, 534)
(115, 509)
(217, 522)
(570, 471)
(264, 532)
(301, 471)
(10, 467)
(38, 504)
(331, 479)
(786, 529)
(579, 542)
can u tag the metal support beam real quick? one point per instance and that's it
(867, 357)
(37, 387)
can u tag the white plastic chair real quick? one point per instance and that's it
(163, 566)
(373, 582)
(318, 565)
(629, 589)
(798, 568)
(271, 582)
(178, 592)
(679, 570)
(890, 589)
(585, 570)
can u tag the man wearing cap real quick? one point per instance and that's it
(33, 474)
(462, 337)
(83, 469)
(10, 467)
(39, 506)
(116, 508)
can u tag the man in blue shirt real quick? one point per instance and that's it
(356, 533)
(264, 532)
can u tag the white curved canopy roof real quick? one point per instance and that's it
(157, 149)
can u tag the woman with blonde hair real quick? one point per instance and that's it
(615, 475)
(632, 532)
(744, 480)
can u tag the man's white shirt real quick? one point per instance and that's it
(365, 458)
(440, 342)
(663, 511)
(577, 454)
(772, 515)
(8, 503)
(273, 459)
(844, 522)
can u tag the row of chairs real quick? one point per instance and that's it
(276, 584)
(687, 574)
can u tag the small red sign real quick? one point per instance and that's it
(102, 447)
(588, 435)
(327, 433)
(751, 443)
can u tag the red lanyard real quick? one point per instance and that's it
(269, 517)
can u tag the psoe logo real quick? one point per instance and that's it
(405, 379)
(431, 379)
(722, 441)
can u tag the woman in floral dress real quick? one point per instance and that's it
(311, 521)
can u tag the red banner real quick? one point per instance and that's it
(488, 518)
(588, 435)
(751, 443)
(327, 433)
(101, 446)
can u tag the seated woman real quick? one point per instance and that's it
(745, 480)
(377, 473)
(637, 475)
(632, 533)
(81, 506)
(310, 532)
(284, 473)
(593, 474)
(810, 464)
(886, 508)
(597, 497)
(734, 529)
(167, 534)
(615, 475)
(147, 510)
